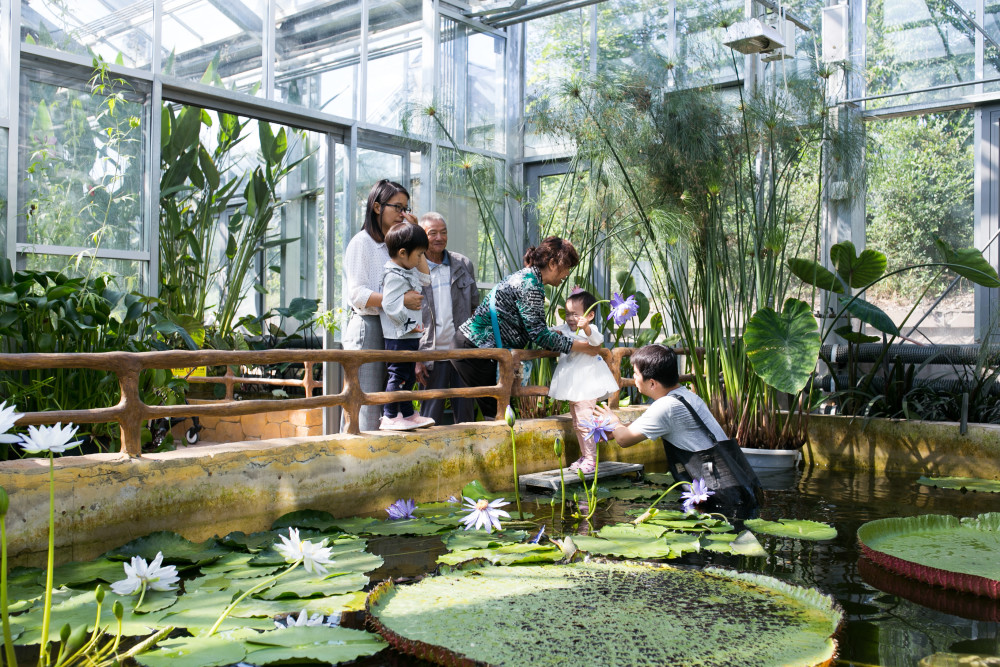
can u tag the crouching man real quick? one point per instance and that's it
(694, 442)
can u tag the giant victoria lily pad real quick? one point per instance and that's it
(942, 550)
(609, 613)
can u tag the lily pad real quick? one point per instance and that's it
(962, 483)
(253, 542)
(405, 527)
(694, 525)
(476, 490)
(490, 616)
(331, 604)
(201, 609)
(635, 493)
(318, 643)
(175, 549)
(355, 525)
(78, 574)
(939, 549)
(302, 584)
(211, 651)
(80, 609)
(461, 540)
(642, 541)
(660, 478)
(510, 554)
(314, 519)
(800, 529)
(745, 544)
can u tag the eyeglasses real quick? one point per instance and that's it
(399, 208)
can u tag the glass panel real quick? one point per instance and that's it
(218, 43)
(82, 160)
(373, 166)
(294, 270)
(395, 61)
(4, 59)
(634, 33)
(128, 275)
(557, 47)
(915, 44)
(3, 192)
(922, 186)
(472, 76)
(991, 24)
(483, 241)
(92, 28)
(318, 50)
(342, 234)
(701, 56)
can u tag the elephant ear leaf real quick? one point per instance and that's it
(872, 315)
(968, 263)
(857, 270)
(812, 272)
(783, 347)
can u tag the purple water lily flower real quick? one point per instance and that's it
(697, 493)
(598, 428)
(401, 509)
(623, 309)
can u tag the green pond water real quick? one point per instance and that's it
(890, 620)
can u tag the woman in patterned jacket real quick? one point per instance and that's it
(519, 303)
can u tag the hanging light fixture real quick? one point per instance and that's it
(753, 36)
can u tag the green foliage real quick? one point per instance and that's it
(48, 311)
(205, 193)
(800, 529)
(922, 189)
(783, 346)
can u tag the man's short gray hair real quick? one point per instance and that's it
(432, 216)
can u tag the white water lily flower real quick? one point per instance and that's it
(314, 557)
(303, 619)
(154, 575)
(7, 418)
(484, 513)
(56, 439)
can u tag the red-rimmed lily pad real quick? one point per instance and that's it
(962, 483)
(942, 550)
(625, 613)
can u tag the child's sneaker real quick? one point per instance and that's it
(396, 423)
(587, 466)
(575, 464)
(418, 421)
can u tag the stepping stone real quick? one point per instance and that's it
(549, 479)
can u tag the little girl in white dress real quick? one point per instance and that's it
(579, 378)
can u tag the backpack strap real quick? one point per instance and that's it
(493, 317)
(697, 417)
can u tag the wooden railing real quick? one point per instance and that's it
(131, 411)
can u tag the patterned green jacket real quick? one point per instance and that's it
(520, 304)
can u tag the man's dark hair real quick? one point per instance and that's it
(585, 299)
(657, 362)
(405, 236)
(380, 193)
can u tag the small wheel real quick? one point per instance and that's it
(191, 435)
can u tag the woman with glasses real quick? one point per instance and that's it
(364, 263)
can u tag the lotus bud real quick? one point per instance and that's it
(4, 502)
(99, 594)
(508, 417)
(118, 610)
(64, 633)
(557, 446)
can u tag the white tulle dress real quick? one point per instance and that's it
(580, 377)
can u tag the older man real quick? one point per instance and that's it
(449, 300)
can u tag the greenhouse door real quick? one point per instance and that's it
(988, 227)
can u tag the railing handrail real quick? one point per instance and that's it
(131, 411)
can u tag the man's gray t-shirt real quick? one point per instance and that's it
(668, 418)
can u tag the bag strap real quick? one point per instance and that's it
(697, 418)
(493, 317)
